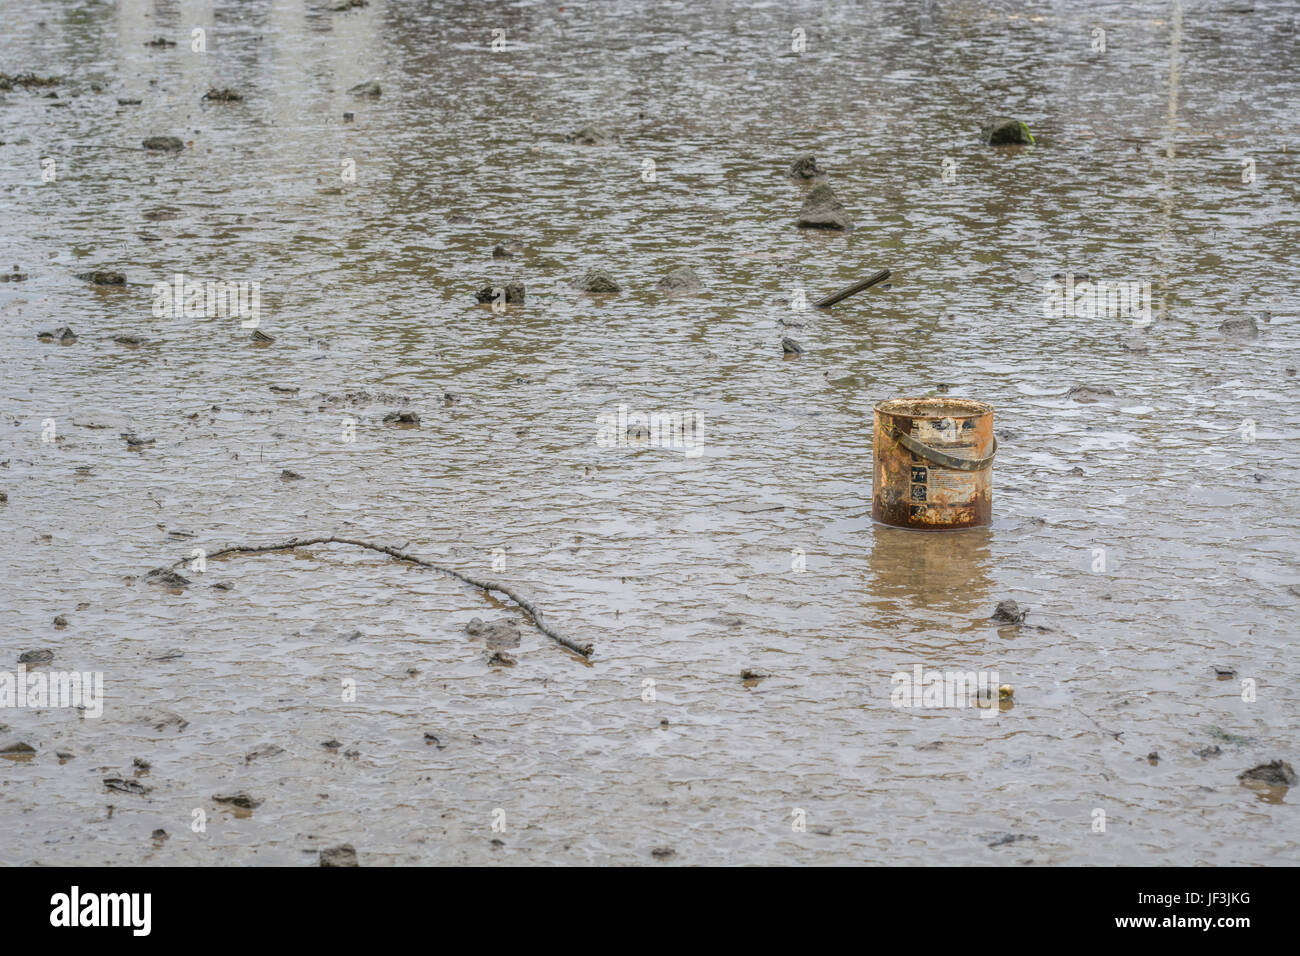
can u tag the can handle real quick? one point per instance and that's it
(938, 457)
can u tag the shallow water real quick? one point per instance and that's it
(678, 568)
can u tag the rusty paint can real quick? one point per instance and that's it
(933, 463)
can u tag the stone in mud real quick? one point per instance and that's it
(432, 740)
(284, 389)
(135, 441)
(681, 279)
(15, 276)
(369, 88)
(1002, 839)
(159, 834)
(805, 167)
(20, 748)
(1090, 393)
(754, 673)
(790, 347)
(1004, 131)
(331, 745)
(60, 622)
(596, 280)
(128, 102)
(592, 135)
(139, 763)
(342, 855)
(663, 852)
(1008, 612)
(223, 95)
(1241, 329)
(260, 338)
(512, 292)
(508, 249)
(127, 786)
(1276, 773)
(349, 117)
(241, 799)
(822, 210)
(500, 659)
(131, 341)
(170, 144)
(266, 750)
(402, 418)
(496, 634)
(63, 334)
(166, 578)
(159, 43)
(25, 80)
(163, 720)
(1205, 753)
(1223, 671)
(287, 475)
(102, 277)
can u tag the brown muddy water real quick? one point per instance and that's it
(1151, 532)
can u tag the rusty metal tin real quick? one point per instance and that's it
(933, 463)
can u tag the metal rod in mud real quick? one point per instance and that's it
(854, 289)
(487, 585)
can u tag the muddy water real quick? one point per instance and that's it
(1150, 532)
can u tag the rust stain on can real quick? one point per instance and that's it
(914, 487)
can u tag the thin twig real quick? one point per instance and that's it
(486, 585)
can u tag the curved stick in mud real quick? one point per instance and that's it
(486, 585)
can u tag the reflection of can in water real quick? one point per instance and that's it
(933, 463)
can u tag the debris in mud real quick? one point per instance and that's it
(508, 249)
(14, 276)
(1090, 393)
(159, 43)
(596, 280)
(338, 6)
(331, 745)
(127, 786)
(497, 634)
(1224, 672)
(1008, 612)
(805, 167)
(1275, 773)
(223, 95)
(663, 852)
(1241, 329)
(500, 659)
(158, 835)
(402, 418)
(1002, 839)
(167, 578)
(121, 101)
(26, 80)
(342, 855)
(349, 117)
(287, 475)
(682, 279)
(1004, 131)
(1152, 758)
(265, 750)
(174, 654)
(139, 763)
(790, 347)
(242, 800)
(1205, 753)
(822, 210)
(135, 441)
(754, 674)
(163, 720)
(362, 397)
(63, 334)
(61, 622)
(130, 341)
(260, 338)
(859, 286)
(65, 755)
(369, 88)
(512, 293)
(433, 741)
(1237, 740)
(102, 277)
(284, 389)
(171, 144)
(19, 749)
(592, 135)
